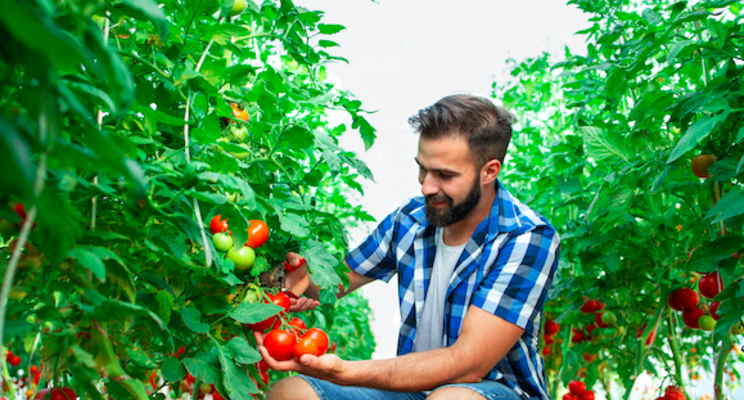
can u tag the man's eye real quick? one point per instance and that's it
(444, 176)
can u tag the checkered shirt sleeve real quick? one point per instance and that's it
(375, 257)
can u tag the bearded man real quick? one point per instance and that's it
(474, 268)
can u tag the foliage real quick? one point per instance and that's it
(603, 150)
(124, 131)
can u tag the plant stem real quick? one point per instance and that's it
(675, 350)
(726, 347)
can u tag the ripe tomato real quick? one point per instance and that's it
(577, 388)
(673, 303)
(280, 343)
(598, 320)
(548, 340)
(20, 210)
(588, 395)
(263, 325)
(306, 345)
(710, 285)
(258, 234)
(222, 242)
(280, 299)
(551, 327)
(218, 225)
(15, 361)
(707, 323)
(590, 306)
(297, 326)
(713, 310)
(691, 317)
(578, 337)
(56, 394)
(569, 396)
(242, 258)
(589, 357)
(238, 111)
(701, 163)
(546, 351)
(319, 336)
(686, 298)
(8, 356)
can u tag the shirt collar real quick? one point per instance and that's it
(503, 217)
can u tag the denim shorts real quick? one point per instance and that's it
(491, 390)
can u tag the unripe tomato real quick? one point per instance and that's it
(609, 318)
(242, 155)
(686, 298)
(701, 163)
(243, 258)
(738, 329)
(692, 316)
(707, 323)
(710, 285)
(218, 225)
(577, 388)
(222, 242)
(258, 234)
(280, 344)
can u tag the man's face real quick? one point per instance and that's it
(448, 179)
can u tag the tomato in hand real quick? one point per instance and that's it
(701, 163)
(320, 336)
(307, 345)
(242, 258)
(258, 234)
(280, 343)
(710, 285)
(296, 326)
(217, 225)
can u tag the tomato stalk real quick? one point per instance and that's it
(726, 347)
(113, 368)
(26, 228)
(197, 209)
(672, 336)
(99, 121)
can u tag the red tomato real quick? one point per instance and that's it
(577, 388)
(218, 225)
(279, 343)
(551, 327)
(320, 337)
(258, 234)
(673, 303)
(588, 395)
(598, 320)
(8, 356)
(578, 337)
(34, 369)
(713, 310)
(306, 345)
(686, 298)
(296, 326)
(546, 351)
(548, 340)
(263, 325)
(569, 396)
(590, 328)
(56, 394)
(710, 285)
(691, 317)
(20, 210)
(15, 361)
(701, 163)
(590, 306)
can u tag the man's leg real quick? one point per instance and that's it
(292, 388)
(455, 393)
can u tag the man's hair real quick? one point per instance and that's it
(485, 126)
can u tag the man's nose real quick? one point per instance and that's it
(429, 186)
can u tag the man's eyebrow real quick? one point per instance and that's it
(438, 170)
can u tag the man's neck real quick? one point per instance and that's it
(461, 231)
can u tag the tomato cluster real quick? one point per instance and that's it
(550, 329)
(687, 301)
(577, 391)
(673, 393)
(244, 257)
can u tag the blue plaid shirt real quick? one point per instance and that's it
(506, 268)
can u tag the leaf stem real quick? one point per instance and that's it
(726, 347)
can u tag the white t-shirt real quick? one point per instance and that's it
(429, 329)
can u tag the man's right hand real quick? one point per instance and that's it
(298, 282)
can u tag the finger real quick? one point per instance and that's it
(289, 365)
(259, 337)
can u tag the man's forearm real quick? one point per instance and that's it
(413, 372)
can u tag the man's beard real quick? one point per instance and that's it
(450, 214)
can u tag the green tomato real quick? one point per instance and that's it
(738, 329)
(609, 318)
(239, 132)
(707, 323)
(222, 241)
(237, 7)
(242, 155)
(242, 258)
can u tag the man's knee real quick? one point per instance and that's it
(292, 388)
(455, 393)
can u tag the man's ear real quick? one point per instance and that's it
(490, 171)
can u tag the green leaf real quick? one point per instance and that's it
(173, 370)
(16, 328)
(676, 49)
(651, 16)
(83, 356)
(321, 263)
(202, 370)
(159, 116)
(208, 197)
(192, 319)
(234, 183)
(88, 259)
(706, 257)
(215, 305)
(237, 382)
(165, 305)
(603, 147)
(293, 224)
(730, 205)
(15, 161)
(153, 12)
(250, 313)
(697, 132)
(241, 351)
(140, 359)
(328, 29)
